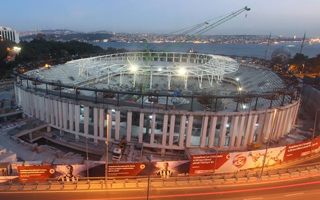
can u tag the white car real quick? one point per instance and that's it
(116, 154)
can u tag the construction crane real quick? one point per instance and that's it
(208, 25)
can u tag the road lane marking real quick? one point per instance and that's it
(294, 194)
(253, 198)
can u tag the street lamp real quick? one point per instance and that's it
(149, 157)
(107, 150)
(268, 143)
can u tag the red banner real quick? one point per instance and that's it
(35, 173)
(202, 164)
(295, 151)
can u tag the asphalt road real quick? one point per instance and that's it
(298, 189)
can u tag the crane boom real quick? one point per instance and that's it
(207, 25)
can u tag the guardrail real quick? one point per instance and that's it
(99, 183)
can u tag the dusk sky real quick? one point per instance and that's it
(279, 17)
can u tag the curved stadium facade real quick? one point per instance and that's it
(165, 100)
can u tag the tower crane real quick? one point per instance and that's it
(208, 25)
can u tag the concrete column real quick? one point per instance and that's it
(259, 130)
(233, 129)
(48, 111)
(285, 121)
(65, 113)
(189, 131)
(95, 124)
(77, 121)
(252, 128)
(86, 121)
(153, 125)
(296, 109)
(223, 129)
(117, 126)
(35, 106)
(240, 131)
(289, 121)
(164, 130)
(52, 111)
(212, 131)
(109, 124)
(60, 114)
(274, 124)
(56, 115)
(101, 123)
(247, 129)
(277, 124)
(204, 129)
(129, 126)
(171, 131)
(141, 122)
(281, 124)
(42, 108)
(182, 130)
(71, 117)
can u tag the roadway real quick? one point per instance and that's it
(308, 188)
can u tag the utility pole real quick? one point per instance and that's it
(107, 151)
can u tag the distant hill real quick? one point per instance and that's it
(67, 35)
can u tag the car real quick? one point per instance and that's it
(116, 154)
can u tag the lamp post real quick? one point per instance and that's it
(268, 143)
(107, 151)
(149, 157)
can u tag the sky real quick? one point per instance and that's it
(279, 17)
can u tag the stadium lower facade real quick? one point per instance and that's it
(165, 100)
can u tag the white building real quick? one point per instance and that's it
(7, 33)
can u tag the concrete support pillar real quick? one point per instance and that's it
(247, 129)
(189, 131)
(95, 124)
(60, 114)
(77, 121)
(153, 126)
(223, 129)
(129, 126)
(141, 122)
(233, 129)
(109, 124)
(259, 128)
(71, 117)
(182, 130)
(86, 121)
(117, 126)
(204, 129)
(65, 112)
(171, 131)
(51, 106)
(42, 108)
(290, 118)
(285, 121)
(48, 110)
(274, 122)
(164, 130)
(212, 131)
(240, 131)
(252, 129)
(56, 115)
(101, 123)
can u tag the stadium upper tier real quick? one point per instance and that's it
(149, 71)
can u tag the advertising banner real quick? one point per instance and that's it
(35, 173)
(295, 151)
(238, 161)
(207, 163)
(164, 169)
